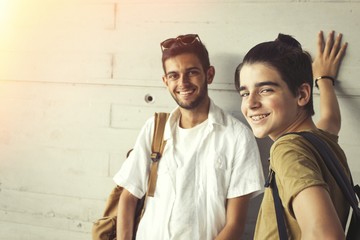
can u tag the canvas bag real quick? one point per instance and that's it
(105, 227)
(350, 191)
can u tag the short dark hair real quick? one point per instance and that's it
(286, 55)
(197, 48)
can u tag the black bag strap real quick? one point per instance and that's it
(347, 187)
(349, 190)
(280, 216)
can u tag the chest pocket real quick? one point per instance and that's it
(218, 174)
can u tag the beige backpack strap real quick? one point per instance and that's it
(157, 148)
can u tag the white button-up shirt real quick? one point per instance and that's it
(227, 165)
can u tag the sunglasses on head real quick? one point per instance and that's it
(187, 39)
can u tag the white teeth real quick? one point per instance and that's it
(259, 117)
(185, 92)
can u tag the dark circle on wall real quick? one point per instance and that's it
(149, 98)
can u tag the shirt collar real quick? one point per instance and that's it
(215, 116)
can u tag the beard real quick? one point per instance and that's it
(196, 102)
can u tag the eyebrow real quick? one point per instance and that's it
(260, 84)
(186, 70)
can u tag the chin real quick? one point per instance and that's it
(259, 134)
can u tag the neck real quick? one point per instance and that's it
(192, 117)
(302, 123)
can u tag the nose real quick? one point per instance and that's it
(184, 79)
(253, 101)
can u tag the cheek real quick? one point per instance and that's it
(282, 108)
(242, 107)
(170, 84)
(276, 105)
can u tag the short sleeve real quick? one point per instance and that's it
(133, 173)
(296, 169)
(247, 176)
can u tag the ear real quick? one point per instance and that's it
(165, 80)
(210, 74)
(304, 94)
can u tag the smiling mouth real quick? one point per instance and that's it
(259, 117)
(185, 93)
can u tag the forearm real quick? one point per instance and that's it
(316, 215)
(330, 117)
(125, 216)
(236, 212)
(231, 232)
(327, 63)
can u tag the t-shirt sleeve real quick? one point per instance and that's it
(295, 168)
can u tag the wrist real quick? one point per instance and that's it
(329, 78)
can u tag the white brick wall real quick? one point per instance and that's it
(74, 75)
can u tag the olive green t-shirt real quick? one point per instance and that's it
(298, 166)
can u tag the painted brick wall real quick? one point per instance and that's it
(75, 76)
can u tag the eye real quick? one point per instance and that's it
(266, 90)
(244, 94)
(193, 72)
(172, 76)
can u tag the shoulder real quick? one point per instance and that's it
(148, 125)
(229, 121)
(145, 135)
(225, 123)
(238, 130)
(326, 136)
(294, 142)
(291, 151)
(289, 142)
